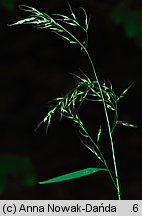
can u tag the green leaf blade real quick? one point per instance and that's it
(73, 175)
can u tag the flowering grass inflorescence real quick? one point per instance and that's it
(86, 89)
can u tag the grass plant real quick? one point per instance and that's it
(85, 89)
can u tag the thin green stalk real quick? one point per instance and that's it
(43, 20)
(105, 109)
(101, 155)
(115, 122)
(108, 124)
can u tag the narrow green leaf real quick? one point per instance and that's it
(74, 17)
(99, 134)
(124, 92)
(73, 175)
(60, 15)
(110, 107)
(127, 124)
(86, 19)
(24, 21)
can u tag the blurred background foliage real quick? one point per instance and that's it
(15, 169)
(8, 4)
(34, 68)
(129, 14)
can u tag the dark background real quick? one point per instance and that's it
(34, 69)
